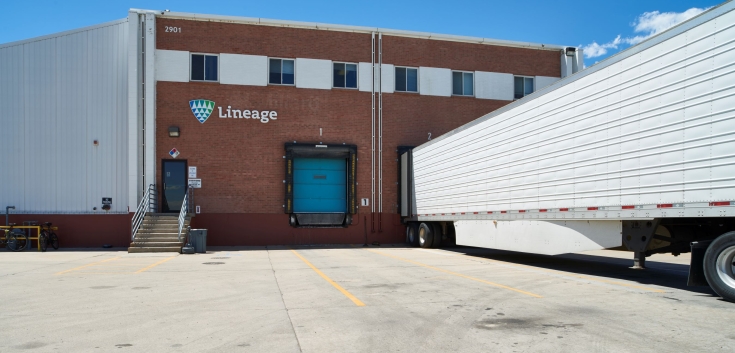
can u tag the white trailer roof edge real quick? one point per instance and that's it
(64, 33)
(708, 15)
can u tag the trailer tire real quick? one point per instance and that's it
(412, 234)
(719, 266)
(425, 235)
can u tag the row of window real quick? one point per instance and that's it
(281, 72)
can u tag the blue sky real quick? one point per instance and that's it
(564, 22)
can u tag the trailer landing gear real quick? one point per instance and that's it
(639, 260)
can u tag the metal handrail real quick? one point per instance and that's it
(146, 204)
(183, 212)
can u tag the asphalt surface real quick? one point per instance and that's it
(355, 299)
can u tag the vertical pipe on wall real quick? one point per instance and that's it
(372, 156)
(380, 132)
(135, 168)
(150, 99)
(142, 100)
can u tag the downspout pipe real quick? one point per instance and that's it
(7, 214)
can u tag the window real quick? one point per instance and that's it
(204, 67)
(462, 83)
(523, 86)
(281, 72)
(407, 79)
(345, 75)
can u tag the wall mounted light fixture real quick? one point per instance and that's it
(173, 131)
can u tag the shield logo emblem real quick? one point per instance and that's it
(201, 108)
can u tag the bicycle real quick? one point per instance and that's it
(15, 239)
(48, 236)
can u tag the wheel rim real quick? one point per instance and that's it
(726, 266)
(422, 236)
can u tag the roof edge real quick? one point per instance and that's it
(64, 33)
(352, 29)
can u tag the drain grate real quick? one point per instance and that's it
(213, 263)
(220, 258)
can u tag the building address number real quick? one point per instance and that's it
(173, 29)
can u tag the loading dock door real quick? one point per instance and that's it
(320, 185)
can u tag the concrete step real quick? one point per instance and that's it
(176, 249)
(155, 244)
(157, 239)
(164, 234)
(158, 234)
(160, 221)
(162, 224)
(161, 230)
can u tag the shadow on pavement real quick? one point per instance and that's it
(661, 274)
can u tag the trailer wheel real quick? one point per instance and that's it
(426, 235)
(719, 266)
(412, 234)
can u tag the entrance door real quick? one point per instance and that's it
(320, 185)
(174, 185)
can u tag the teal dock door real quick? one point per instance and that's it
(320, 185)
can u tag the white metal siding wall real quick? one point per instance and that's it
(58, 95)
(655, 127)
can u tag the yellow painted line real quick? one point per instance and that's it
(560, 273)
(155, 264)
(87, 265)
(458, 274)
(333, 283)
(107, 273)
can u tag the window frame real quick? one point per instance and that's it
(533, 79)
(418, 79)
(268, 72)
(357, 74)
(473, 84)
(191, 62)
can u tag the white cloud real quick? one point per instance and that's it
(646, 25)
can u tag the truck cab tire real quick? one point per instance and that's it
(425, 235)
(719, 266)
(412, 234)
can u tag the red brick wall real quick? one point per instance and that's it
(240, 161)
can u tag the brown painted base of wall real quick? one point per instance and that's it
(224, 229)
(249, 229)
(84, 231)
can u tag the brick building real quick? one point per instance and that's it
(293, 128)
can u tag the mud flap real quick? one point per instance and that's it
(696, 267)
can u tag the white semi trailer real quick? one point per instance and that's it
(637, 150)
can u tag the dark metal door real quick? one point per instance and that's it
(174, 185)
